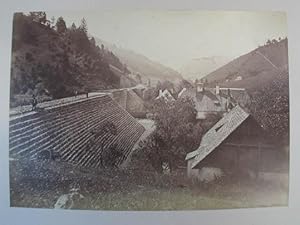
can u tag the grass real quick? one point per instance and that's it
(154, 200)
(121, 190)
(175, 199)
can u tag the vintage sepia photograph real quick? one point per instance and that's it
(149, 110)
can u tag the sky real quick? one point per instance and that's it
(174, 38)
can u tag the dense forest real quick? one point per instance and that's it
(51, 60)
(270, 106)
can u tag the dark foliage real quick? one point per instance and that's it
(57, 60)
(177, 133)
(270, 106)
(23, 32)
(61, 25)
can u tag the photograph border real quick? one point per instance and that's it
(276, 215)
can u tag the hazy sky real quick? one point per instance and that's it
(174, 38)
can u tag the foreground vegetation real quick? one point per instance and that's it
(136, 190)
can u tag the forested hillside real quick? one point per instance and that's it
(270, 106)
(50, 60)
(264, 73)
(255, 69)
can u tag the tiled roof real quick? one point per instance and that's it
(217, 134)
(204, 101)
(208, 101)
(80, 133)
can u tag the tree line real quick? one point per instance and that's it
(51, 59)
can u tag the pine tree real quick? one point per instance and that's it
(83, 26)
(73, 27)
(61, 25)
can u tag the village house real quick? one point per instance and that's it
(215, 100)
(165, 95)
(235, 144)
(131, 101)
(238, 78)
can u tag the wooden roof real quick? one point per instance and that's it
(74, 131)
(217, 134)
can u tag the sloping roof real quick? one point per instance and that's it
(120, 96)
(217, 134)
(76, 132)
(181, 92)
(128, 100)
(239, 95)
(135, 104)
(206, 100)
(166, 94)
(133, 96)
(209, 101)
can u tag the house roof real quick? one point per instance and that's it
(133, 96)
(135, 104)
(166, 94)
(209, 101)
(120, 96)
(82, 133)
(217, 134)
(126, 98)
(205, 101)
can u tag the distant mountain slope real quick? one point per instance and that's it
(139, 64)
(254, 69)
(200, 67)
(55, 61)
(264, 73)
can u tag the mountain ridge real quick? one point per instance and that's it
(140, 64)
(200, 67)
(254, 69)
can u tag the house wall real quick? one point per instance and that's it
(191, 172)
(248, 133)
(135, 105)
(243, 151)
(232, 159)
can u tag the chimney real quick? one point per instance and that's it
(229, 104)
(217, 90)
(200, 87)
(228, 92)
(160, 93)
